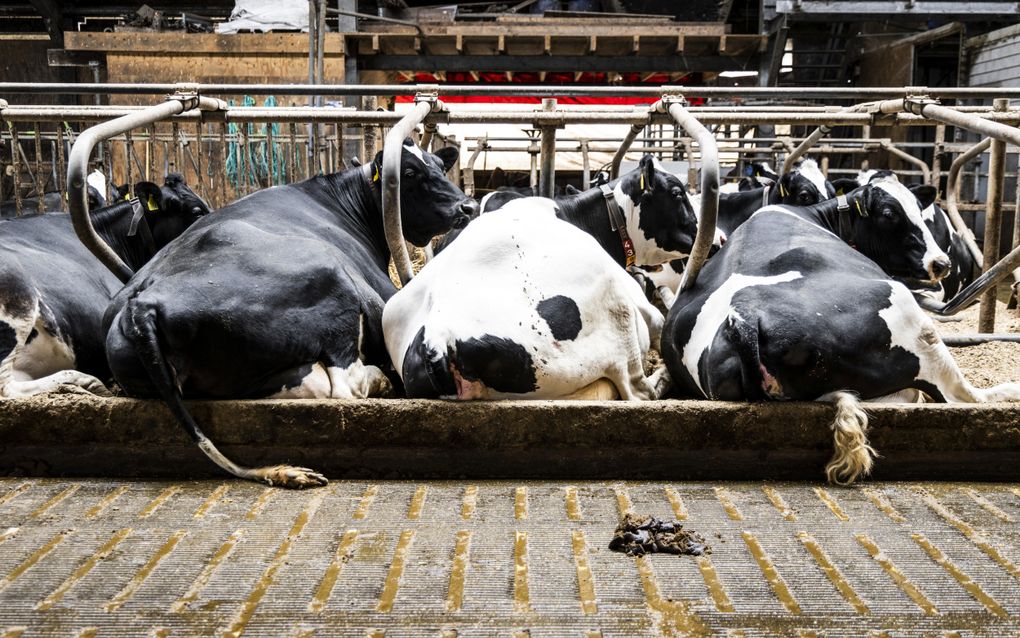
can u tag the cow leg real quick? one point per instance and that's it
(32, 359)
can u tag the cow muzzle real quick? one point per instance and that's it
(465, 212)
(939, 268)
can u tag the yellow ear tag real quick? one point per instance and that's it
(642, 181)
(782, 191)
(152, 203)
(859, 211)
(375, 175)
(839, 191)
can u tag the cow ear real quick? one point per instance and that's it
(784, 184)
(925, 194)
(844, 185)
(448, 155)
(570, 189)
(150, 195)
(355, 162)
(647, 180)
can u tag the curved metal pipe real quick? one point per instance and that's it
(469, 167)
(965, 297)
(952, 187)
(635, 130)
(709, 189)
(803, 147)
(910, 159)
(77, 169)
(392, 149)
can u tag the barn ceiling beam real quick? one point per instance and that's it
(552, 64)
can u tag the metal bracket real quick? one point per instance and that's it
(673, 98)
(915, 103)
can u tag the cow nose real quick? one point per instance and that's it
(460, 221)
(940, 267)
(469, 207)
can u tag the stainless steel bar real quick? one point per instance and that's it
(993, 222)
(709, 189)
(392, 149)
(952, 195)
(585, 166)
(61, 164)
(907, 157)
(469, 169)
(40, 180)
(803, 147)
(964, 340)
(968, 295)
(614, 167)
(77, 170)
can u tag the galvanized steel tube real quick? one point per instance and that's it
(952, 190)
(635, 130)
(77, 170)
(392, 149)
(709, 190)
(803, 147)
(993, 222)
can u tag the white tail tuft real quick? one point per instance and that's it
(853, 455)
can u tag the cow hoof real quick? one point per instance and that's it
(291, 477)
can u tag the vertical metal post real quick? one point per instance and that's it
(938, 151)
(993, 221)
(585, 166)
(547, 185)
(61, 164)
(40, 179)
(533, 177)
(368, 131)
(16, 161)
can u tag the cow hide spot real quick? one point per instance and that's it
(500, 364)
(562, 315)
(8, 339)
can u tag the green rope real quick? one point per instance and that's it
(255, 164)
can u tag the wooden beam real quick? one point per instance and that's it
(921, 38)
(535, 63)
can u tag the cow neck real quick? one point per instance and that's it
(357, 201)
(838, 215)
(124, 227)
(589, 211)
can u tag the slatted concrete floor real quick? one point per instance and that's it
(105, 558)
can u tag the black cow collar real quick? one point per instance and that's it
(618, 223)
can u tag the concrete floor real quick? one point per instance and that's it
(112, 557)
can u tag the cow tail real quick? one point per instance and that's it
(853, 456)
(140, 330)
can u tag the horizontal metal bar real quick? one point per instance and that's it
(963, 340)
(538, 118)
(786, 92)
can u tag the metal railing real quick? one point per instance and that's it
(167, 125)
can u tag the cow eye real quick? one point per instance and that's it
(409, 173)
(677, 192)
(805, 198)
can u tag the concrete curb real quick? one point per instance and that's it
(666, 440)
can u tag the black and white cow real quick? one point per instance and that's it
(279, 294)
(788, 310)
(533, 301)
(804, 185)
(964, 264)
(53, 292)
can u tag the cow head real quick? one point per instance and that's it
(169, 209)
(661, 220)
(430, 204)
(890, 230)
(805, 185)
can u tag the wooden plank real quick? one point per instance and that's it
(187, 43)
(619, 63)
(922, 38)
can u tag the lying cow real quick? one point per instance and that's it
(804, 185)
(277, 295)
(53, 292)
(533, 301)
(964, 264)
(788, 310)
